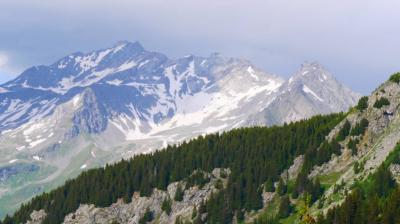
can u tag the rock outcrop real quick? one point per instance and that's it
(121, 212)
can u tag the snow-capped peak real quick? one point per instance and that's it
(125, 100)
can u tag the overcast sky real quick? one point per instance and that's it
(357, 40)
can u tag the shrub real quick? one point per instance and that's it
(352, 145)
(147, 217)
(395, 77)
(179, 193)
(381, 102)
(360, 128)
(285, 208)
(166, 206)
(282, 188)
(344, 132)
(362, 103)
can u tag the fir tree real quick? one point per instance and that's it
(166, 206)
(179, 193)
(285, 208)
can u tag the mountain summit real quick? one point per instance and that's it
(88, 109)
(311, 90)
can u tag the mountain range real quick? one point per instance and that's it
(89, 109)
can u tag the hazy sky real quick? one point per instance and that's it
(357, 40)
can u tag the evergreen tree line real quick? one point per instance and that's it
(255, 156)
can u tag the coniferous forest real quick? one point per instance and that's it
(256, 157)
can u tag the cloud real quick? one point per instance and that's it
(3, 59)
(356, 40)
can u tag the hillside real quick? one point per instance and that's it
(254, 156)
(339, 168)
(89, 109)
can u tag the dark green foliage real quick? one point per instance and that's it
(147, 217)
(352, 145)
(362, 103)
(395, 77)
(381, 103)
(383, 182)
(393, 157)
(194, 213)
(240, 216)
(166, 206)
(197, 219)
(305, 185)
(267, 220)
(285, 208)
(198, 178)
(219, 210)
(282, 187)
(358, 167)
(360, 128)
(179, 193)
(324, 153)
(344, 132)
(253, 155)
(218, 184)
(223, 174)
(269, 186)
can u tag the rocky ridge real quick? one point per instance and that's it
(379, 140)
(121, 212)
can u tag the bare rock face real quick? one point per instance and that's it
(294, 169)
(37, 217)
(90, 118)
(395, 170)
(131, 213)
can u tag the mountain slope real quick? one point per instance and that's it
(332, 175)
(89, 109)
(253, 156)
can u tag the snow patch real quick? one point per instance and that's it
(19, 148)
(76, 100)
(115, 82)
(37, 142)
(13, 161)
(308, 90)
(251, 71)
(126, 66)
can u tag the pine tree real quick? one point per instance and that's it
(344, 132)
(166, 206)
(269, 186)
(147, 217)
(362, 103)
(282, 188)
(381, 103)
(179, 193)
(285, 208)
